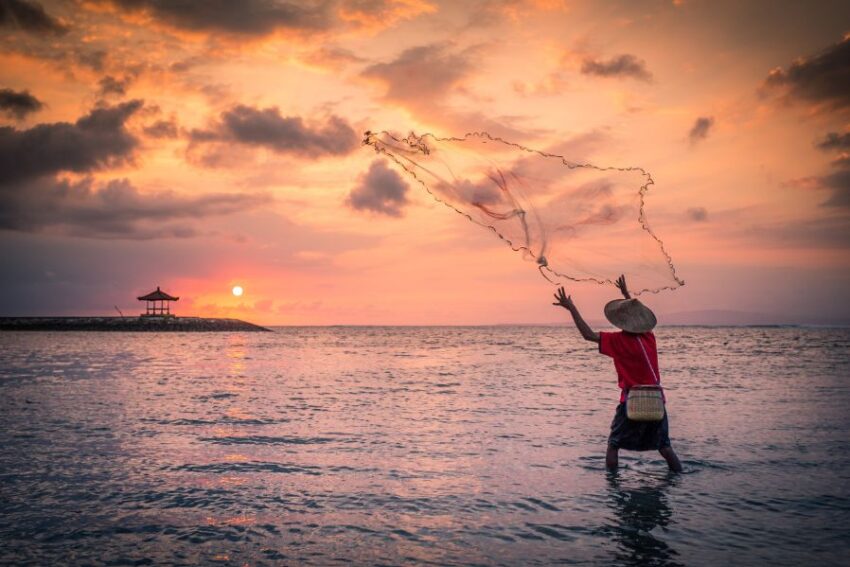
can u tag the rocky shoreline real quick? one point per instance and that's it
(141, 324)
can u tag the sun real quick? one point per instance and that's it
(237, 290)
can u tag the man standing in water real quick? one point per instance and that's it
(636, 361)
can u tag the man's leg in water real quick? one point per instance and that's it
(672, 460)
(611, 458)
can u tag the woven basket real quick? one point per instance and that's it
(645, 403)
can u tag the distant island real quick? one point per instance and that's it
(143, 324)
(156, 318)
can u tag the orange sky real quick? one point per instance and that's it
(201, 145)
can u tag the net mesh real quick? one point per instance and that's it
(575, 221)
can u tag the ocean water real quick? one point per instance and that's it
(417, 446)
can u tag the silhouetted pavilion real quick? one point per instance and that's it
(163, 309)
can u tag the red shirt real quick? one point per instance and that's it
(629, 359)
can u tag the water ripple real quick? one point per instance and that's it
(417, 446)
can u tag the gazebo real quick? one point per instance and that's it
(151, 307)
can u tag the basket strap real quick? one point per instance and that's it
(646, 356)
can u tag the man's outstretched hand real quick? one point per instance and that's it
(563, 300)
(621, 285)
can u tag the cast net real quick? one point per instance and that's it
(575, 221)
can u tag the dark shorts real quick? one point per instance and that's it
(638, 435)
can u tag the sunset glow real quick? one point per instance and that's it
(179, 146)
(424, 282)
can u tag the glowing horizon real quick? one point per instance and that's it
(218, 147)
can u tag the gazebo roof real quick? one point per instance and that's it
(157, 295)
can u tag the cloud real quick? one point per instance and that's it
(842, 161)
(109, 85)
(421, 79)
(34, 199)
(421, 75)
(380, 190)
(839, 183)
(282, 134)
(379, 14)
(829, 232)
(620, 66)
(81, 49)
(18, 104)
(485, 13)
(29, 17)
(697, 214)
(38, 267)
(700, 129)
(94, 59)
(246, 17)
(97, 140)
(162, 129)
(331, 58)
(115, 209)
(258, 18)
(835, 141)
(552, 84)
(823, 78)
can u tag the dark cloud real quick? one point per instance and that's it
(697, 214)
(186, 64)
(839, 180)
(109, 85)
(823, 78)
(33, 199)
(115, 209)
(842, 161)
(625, 65)
(68, 54)
(18, 104)
(97, 140)
(700, 129)
(839, 183)
(29, 17)
(246, 17)
(283, 134)
(162, 129)
(257, 18)
(94, 59)
(380, 190)
(835, 141)
(421, 75)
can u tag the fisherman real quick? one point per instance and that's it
(636, 361)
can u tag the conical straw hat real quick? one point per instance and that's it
(630, 315)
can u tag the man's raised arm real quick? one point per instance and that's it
(565, 301)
